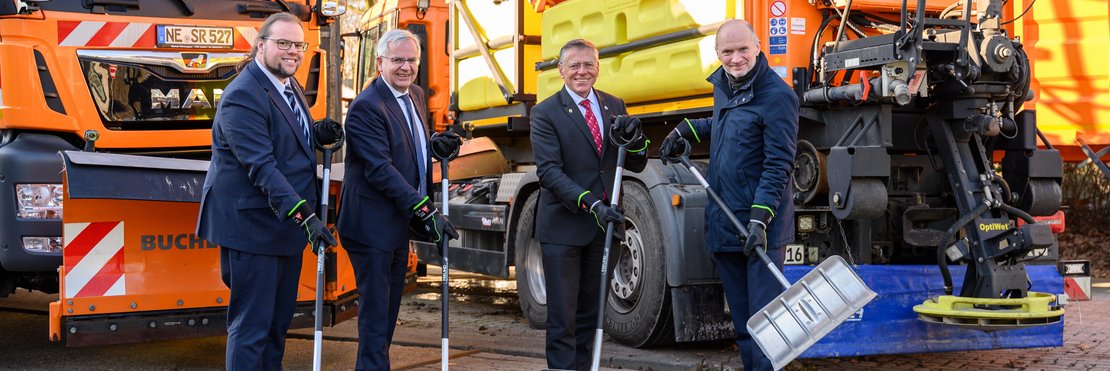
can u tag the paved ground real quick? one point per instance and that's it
(492, 324)
(488, 333)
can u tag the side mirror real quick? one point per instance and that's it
(332, 8)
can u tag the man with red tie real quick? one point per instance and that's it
(576, 164)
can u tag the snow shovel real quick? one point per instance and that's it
(621, 144)
(444, 158)
(807, 311)
(328, 136)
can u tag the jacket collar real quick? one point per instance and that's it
(575, 113)
(278, 99)
(746, 92)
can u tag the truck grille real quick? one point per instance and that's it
(137, 90)
(219, 73)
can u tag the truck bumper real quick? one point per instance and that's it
(30, 158)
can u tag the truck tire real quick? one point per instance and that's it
(530, 289)
(638, 313)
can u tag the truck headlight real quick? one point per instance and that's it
(39, 201)
(43, 244)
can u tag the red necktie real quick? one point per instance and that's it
(591, 121)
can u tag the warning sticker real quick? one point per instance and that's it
(778, 8)
(797, 26)
(778, 40)
(780, 70)
(778, 49)
(778, 26)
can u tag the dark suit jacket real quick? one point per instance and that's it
(261, 166)
(381, 173)
(568, 164)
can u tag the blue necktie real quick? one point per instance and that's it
(297, 112)
(417, 134)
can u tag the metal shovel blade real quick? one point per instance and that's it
(808, 310)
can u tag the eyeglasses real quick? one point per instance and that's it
(285, 44)
(401, 61)
(586, 65)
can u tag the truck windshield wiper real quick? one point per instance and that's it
(187, 7)
(263, 7)
(101, 6)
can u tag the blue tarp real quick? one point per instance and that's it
(890, 326)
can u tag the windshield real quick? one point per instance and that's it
(202, 9)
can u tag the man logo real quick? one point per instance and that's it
(195, 60)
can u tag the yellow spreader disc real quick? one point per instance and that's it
(1036, 309)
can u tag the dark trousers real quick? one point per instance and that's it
(572, 275)
(380, 277)
(263, 297)
(749, 286)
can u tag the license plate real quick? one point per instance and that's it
(171, 36)
(795, 254)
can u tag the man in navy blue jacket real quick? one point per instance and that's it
(385, 189)
(260, 193)
(754, 129)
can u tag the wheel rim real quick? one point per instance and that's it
(626, 286)
(533, 262)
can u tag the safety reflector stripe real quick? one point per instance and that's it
(127, 34)
(246, 37)
(94, 259)
(107, 34)
(81, 34)
(1078, 288)
(109, 276)
(130, 35)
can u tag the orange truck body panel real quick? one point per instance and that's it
(48, 35)
(123, 259)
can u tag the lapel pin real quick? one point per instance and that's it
(570, 110)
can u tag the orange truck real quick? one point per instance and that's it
(125, 91)
(917, 99)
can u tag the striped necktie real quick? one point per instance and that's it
(297, 111)
(417, 136)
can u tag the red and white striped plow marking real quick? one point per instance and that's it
(93, 256)
(127, 34)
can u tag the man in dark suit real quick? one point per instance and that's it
(259, 195)
(576, 164)
(386, 188)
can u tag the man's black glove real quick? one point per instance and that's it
(327, 132)
(626, 128)
(673, 147)
(446, 144)
(757, 237)
(435, 224)
(757, 229)
(602, 212)
(315, 229)
(629, 131)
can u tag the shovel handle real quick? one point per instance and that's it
(595, 357)
(321, 250)
(685, 160)
(445, 245)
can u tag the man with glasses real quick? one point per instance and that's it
(386, 190)
(260, 193)
(576, 163)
